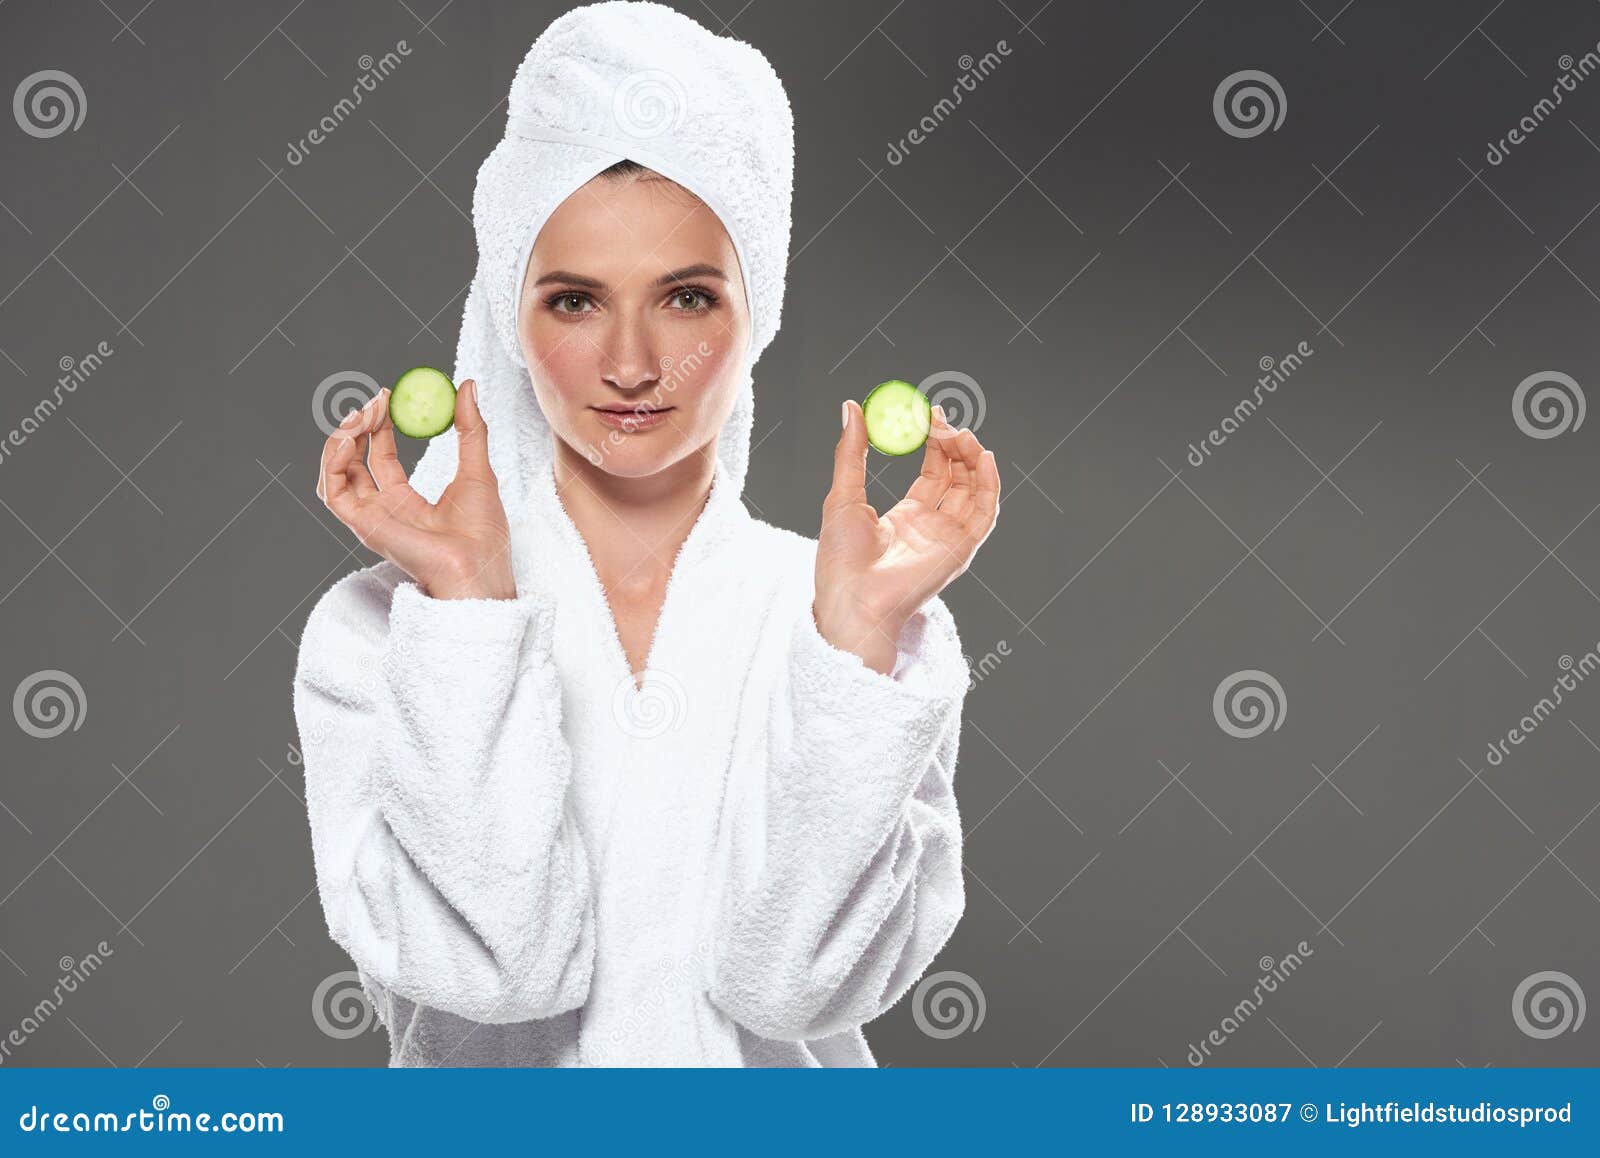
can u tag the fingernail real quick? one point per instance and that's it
(353, 417)
(844, 414)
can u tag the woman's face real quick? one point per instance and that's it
(634, 322)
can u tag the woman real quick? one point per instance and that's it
(601, 769)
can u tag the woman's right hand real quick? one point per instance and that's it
(457, 548)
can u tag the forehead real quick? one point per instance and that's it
(635, 226)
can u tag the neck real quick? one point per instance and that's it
(633, 526)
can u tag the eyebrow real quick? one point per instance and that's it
(700, 269)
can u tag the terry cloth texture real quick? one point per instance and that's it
(534, 860)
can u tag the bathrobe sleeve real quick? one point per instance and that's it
(848, 881)
(449, 864)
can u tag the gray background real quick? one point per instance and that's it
(1108, 265)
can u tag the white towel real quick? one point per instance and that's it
(530, 860)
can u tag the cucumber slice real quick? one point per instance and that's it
(423, 403)
(898, 416)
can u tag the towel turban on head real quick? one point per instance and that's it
(603, 83)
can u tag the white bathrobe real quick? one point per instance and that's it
(530, 859)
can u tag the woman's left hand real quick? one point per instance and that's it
(875, 571)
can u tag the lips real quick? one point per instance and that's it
(631, 419)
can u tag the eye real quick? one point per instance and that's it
(692, 298)
(569, 302)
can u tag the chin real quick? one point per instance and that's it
(633, 466)
(637, 455)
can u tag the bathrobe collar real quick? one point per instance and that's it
(721, 521)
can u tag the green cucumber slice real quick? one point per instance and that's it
(898, 416)
(423, 402)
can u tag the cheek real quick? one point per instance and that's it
(701, 374)
(561, 359)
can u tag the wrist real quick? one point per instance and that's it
(479, 588)
(873, 641)
(447, 595)
(461, 576)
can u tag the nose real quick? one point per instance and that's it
(628, 359)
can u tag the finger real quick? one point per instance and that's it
(357, 476)
(959, 497)
(941, 428)
(336, 489)
(985, 497)
(962, 447)
(968, 451)
(850, 458)
(472, 435)
(934, 480)
(967, 448)
(336, 452)
(384, 458)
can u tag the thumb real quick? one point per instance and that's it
(850, 457)
(472, 434)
